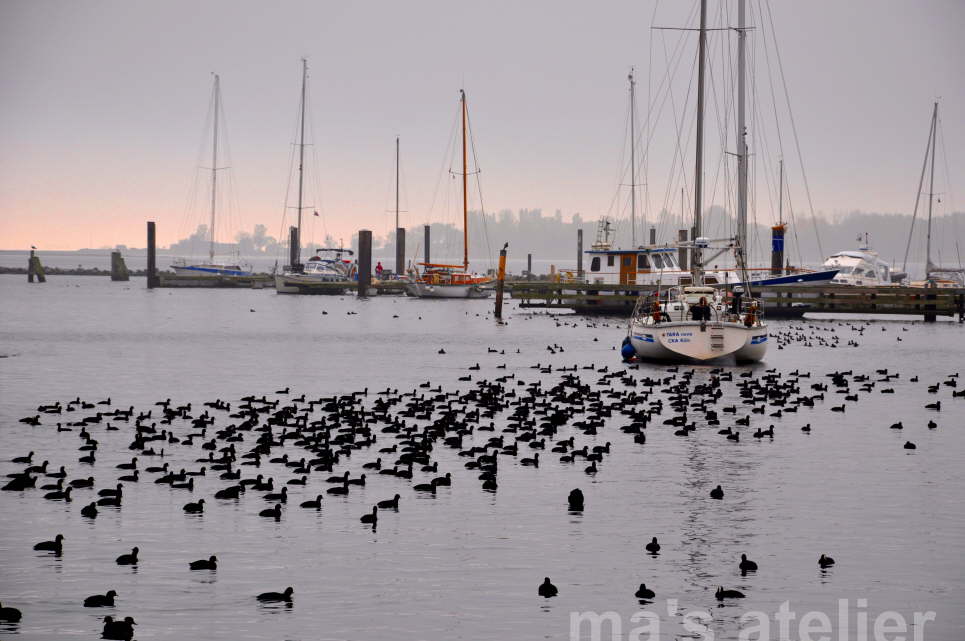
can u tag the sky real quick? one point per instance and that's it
(103, 106)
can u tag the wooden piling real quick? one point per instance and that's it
(501, 282)
(399, 250)
(579, 253)
(294, 249)
(35, 269)
(119, 271)
(152, 277)
(930, 315)
(426, 242)
(365, 262)
(529, 267)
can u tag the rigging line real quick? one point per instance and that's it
(797, 142)
(914, 213)
(949, 200)
(317, 200)
(777, 123)
(482, 207)
(679, 155)
(283, 236)
(190, 208)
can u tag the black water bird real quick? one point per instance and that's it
(746, 565)
(652, 547)
(275, 597)
(825, 561)
(56, 546)
(717, 493)
(211, 563)
(194, 508)
(128, 559)
(722, 594)
(643, 592)
(101, 600)
(547, 589)
(11, 615)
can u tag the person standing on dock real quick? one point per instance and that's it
(379, 269)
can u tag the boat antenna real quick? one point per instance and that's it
(696, 269)
(780, 192)
(465, 186)
(214, 163)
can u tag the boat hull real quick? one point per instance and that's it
(686, 342)
(305, 284)
(208, 270)
(423, 290)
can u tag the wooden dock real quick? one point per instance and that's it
(779, 302)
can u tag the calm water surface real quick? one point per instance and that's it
(465, 564)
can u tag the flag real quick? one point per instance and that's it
(316, 213)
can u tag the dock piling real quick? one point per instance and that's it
(152, 278)
(529, 267)
(365, 262)
(35, 269)
(119, 271)
(579, 253)
(294, 249)
(426, 242)
(501, 282)
(399, 250)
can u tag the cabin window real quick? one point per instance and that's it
(658, 261)
(609, 261)
(710, 280)
(685, 280)
(642, 262)
(627, 261)
(669, 259)
(595, 264)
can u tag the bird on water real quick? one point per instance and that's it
(547, 589)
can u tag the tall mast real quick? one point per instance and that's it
(633, 163)
(931, 189)
(465, 184)
(397, 182)
(297, 253)
(780, 192)
(214, 163)
(741, 130)
(696, 268)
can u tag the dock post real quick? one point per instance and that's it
(777, 249)
(653, 235)
(426, 242)
(529, 267)
(35, 269)
(579, 253)
(399, 251)
(294, 249)
(501, 282)
(930, 315)
(365, 262)
(118, 267)
(682, 253)
(152, 279)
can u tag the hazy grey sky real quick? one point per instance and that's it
(103, 104)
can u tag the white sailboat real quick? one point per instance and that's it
(696, 322)
(298, 277)
(439, 280)
(183, 267)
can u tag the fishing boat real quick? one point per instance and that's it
(319, 275)
(212, 268)
(697, 322)
(439, 280)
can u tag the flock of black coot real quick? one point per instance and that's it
(494, 423)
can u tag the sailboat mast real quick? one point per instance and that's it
(696, 268)
(297, 251)
(780, 192)
(396, 183)
(741, 129)
(633, 163)
(931, 189)
(214, 163)
(465, 187)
